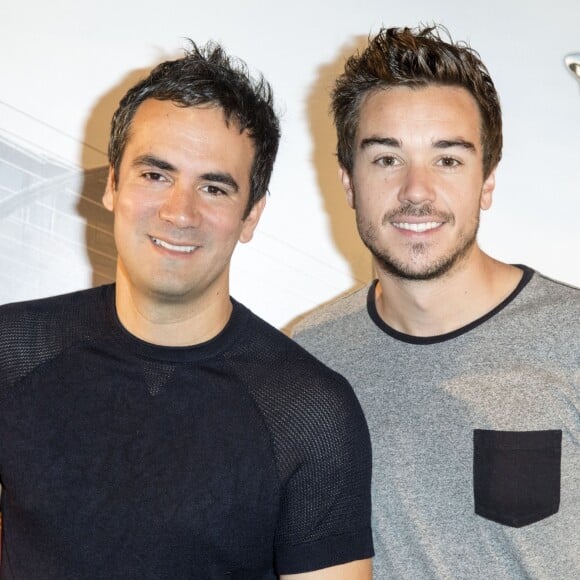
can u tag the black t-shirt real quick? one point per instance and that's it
(239, 458)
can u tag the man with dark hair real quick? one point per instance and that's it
(157, 428)
(467, 368)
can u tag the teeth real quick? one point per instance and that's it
(183, 249)
(422, 227)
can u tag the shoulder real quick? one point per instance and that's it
(335, 312)
(541, 320)
(289, 364)
(330, 331)
(295, 392)
(273, 346)
(546, 288)
(50, 319)
(45, 308)
(555, 304)
(35, 331)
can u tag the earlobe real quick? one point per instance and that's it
(344, 177)
(252, 220)
(108, 197)
(487, 191)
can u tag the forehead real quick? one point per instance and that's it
(195, 133)
(432, 112)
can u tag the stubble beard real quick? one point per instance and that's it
(414, 267)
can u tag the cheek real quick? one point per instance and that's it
(373, 204)
(133, 210)
(222, 226)
(466, 211)
(379, 187)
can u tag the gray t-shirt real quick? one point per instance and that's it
(469, 431)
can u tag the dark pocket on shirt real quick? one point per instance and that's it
(516, 475)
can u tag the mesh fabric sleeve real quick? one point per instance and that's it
(323, 455)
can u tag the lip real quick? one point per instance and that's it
(174, 247)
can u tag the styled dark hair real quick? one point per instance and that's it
(207, 75)
(415, 58)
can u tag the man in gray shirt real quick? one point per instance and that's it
(467, 368)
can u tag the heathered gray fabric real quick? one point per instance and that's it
(517, 370)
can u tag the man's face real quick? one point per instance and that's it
(417, 181)
(179, 201)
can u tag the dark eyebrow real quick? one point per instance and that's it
(224, 178)
(440, 144)
(152, 161)
(447, 143)
(387, 141)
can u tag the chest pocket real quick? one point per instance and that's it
(516, 475)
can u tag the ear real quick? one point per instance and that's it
(344, 177)
(487, 190)
(251, 221)
(108, 196)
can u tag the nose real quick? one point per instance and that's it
(180, 208)
(417, 187)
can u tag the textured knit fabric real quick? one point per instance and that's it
(240, 458)
(475, 434)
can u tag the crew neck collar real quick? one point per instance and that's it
(528, 273)
(128, 342)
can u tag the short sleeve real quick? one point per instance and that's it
(323, 453)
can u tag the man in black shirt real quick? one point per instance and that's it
(157, 428)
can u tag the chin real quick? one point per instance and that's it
(426, 270)
(407, 271)
(418, 265)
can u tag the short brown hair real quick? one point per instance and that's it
(415, 58)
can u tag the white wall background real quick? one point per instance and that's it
(64, 64)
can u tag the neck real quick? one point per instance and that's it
(433, 307)
(167, 323)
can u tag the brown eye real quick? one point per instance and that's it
(152, 176)
(449, 162)
(214, 190)
(387, 161)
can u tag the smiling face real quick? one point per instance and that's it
(417, 182)
(179, 202)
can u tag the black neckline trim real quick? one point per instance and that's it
(528, 273)
(130, 343)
